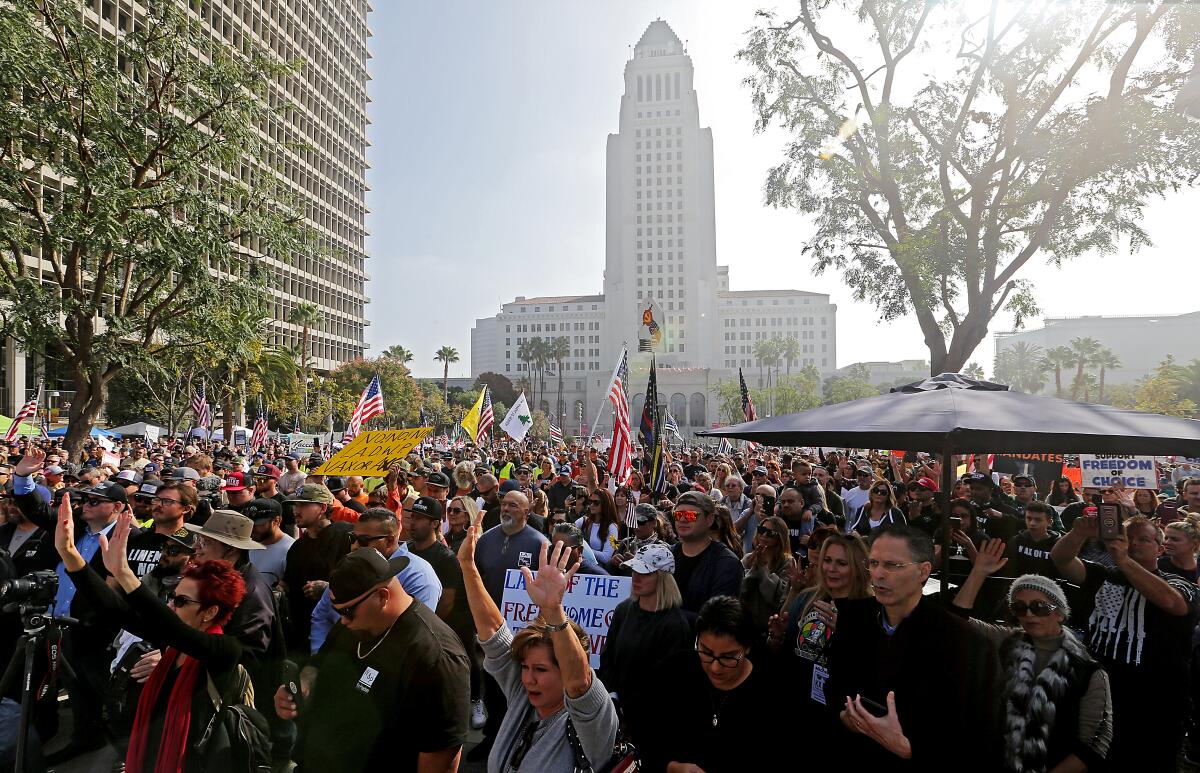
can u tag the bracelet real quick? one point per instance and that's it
(552, 628)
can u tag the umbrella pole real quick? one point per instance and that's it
(946, 494)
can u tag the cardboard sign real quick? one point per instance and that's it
(1100, 470)
(1045, 468)
(239, 437)
(373, 452)
(589, 601)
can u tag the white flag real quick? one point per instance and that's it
(519, 419)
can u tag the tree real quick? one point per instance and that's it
(525, 353)
(797, 393)
(973, 370)
(935, 178)
(560, 349)
(790, 352)
(402, 396)
(843, 389)
(1056, 359)
(1187, 381)
(1158, 392)
(502, 388)
(398, 352)
(111, 153)
(1106, 360)
(446, 355)
(1085, 350)
(1020, 366)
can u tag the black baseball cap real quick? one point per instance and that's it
(428, 507)
(335, 484)
(437, 479)
(262, 509)
(362, 570)
(148, 490)
(113, 492)
(185, 538)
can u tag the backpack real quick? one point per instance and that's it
(237, 738)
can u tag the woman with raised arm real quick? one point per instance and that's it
(1056, 703)
(174, 708)
(559, 716)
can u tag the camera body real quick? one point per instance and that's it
(36, 589)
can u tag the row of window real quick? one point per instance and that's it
(759, 302)
(660, 87)
(746, 363)
(804, 349)
(520, 367)
(538, 309)
(552, 327)
(659, 156)
(659, 114)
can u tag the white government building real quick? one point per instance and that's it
(660, 260)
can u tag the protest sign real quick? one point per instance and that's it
(1045, 468)
(373, 452)
(1100, 470)
(589, 601)
(152, 433)
(239, 437)
(111, 458)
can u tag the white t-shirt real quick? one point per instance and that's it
(270, 562)
(856, 498)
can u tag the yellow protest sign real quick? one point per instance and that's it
(373, 452)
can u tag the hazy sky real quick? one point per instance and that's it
(489, 128)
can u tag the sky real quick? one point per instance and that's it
(489, 123)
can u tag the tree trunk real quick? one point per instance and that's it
(1078, 380)
(967, 337)
(560, 416)
(446, 382)
(85, 409)
(1058, 381)
(1100, 396)
(227, 415)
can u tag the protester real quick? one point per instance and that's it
(1029, 551)
(1055, 702)
(880, 511)
(389, 689)
(645, 532)
(1063, 493)
(1181, 541)
(703, 567)
(559, 716)
(1140, 629)
(311, 559)
(267, 516)
(599, 526)
(769, 568)
(569, 534)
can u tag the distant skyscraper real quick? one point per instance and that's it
(660, 267)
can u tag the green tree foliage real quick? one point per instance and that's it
(502, 389)
(147, 245)
(396, 351)
(1157, 393)
(940, 147)
(446, 355)
(844, 389)
(402, 397)
(1021, 366)
(1056, 360)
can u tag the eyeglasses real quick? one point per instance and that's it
(595, 502)
(725, 661)
(768, 533)
(93, 501)
(889, 566)
(347, 612)
(363, 540)
(1038, 608)
(175, 550)
(881, 491)
(178, 601)
(1023, 485)
(687, 516)
(454, 510)
(165, 501)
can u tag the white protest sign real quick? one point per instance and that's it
(151, 433)
(1100, 470)
(589, 601)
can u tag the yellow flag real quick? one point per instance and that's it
(470, 422)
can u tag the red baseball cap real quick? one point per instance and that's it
(927, 483)
(235, 481)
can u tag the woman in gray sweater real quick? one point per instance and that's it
(559, 713)
(1057, 708)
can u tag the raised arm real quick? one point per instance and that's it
(988, 560)
(1065, 552)
(486, 615)
(1154, 588)
(546, 590)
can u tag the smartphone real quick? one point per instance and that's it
(1110, 521)
(877, 709)
(290, 673)
(956, 523)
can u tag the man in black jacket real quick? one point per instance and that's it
(703, 567)
(913, 678)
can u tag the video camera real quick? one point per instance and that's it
(36, 589)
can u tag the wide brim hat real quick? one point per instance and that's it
(228, 527)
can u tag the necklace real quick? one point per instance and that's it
(376, 645)
(717, 707)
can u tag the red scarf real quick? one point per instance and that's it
(172, 747)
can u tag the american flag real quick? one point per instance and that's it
(370, 405)
(725, 447)
(671, 427)
(555, 434)
(621, 451)
(747, 407)
(27, 411)
(486, 417)
(258, 438)
(200, 407)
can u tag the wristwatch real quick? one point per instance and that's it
(560, 627)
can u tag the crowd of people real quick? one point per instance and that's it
(355, 623)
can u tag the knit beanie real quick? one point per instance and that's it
(1044, 585)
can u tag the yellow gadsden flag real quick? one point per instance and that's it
(373, 452)
(470, 422)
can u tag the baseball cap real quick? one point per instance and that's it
(234, 481)
(759, 471)
(644, 513)
(55, 470)
(129, 476)
(113, 492)
(428, 507)
(929, 484)
(509, 485)
(335, 484)
(262, 509)
(268, 471)
(1023, 476)
(362, 570)
(147, 490)
(185, 538)
(565, 470)
(183, 473)
(312, 492)
(149, 468)
(294, 456)
(438, 479)
(978, 477)
(524, 468)
(654, 557)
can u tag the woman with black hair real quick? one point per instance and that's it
(879, 511)
(1063, 493)
(600, 526)
(712, 699)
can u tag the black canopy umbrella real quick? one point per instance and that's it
(951, 414)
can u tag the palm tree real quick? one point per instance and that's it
(307, 316)
(763, 351)
(1084, 349)
(560, 349)
(1106, 360)
(790, 351)
(398, 352)
(525, 355)
(1021, 367)
(1088, 383)
(1187, 381)
(275, 369)
(1056, 359)
(446, 355)
(539, 350)
(974, 370)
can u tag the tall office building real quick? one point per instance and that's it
(660, 266)
(324, 161)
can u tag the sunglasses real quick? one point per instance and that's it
(687, 516)
(93, 501)
(363, 540)
(179, 601)
(882, 491)
(347, 612)
(1038, 608)
(174, 550)
(455, 510)
(768, 533)
(595, 502)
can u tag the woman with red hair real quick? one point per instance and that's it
(175, 707)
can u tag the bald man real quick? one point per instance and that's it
(512, 544)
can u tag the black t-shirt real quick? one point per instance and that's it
(684, 566)
(1166, 565)
(449, 574)
(409, 693)
(144, 551)
(1029, 556)
(1003, 526)
(692, 470)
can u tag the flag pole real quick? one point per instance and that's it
(595, 428)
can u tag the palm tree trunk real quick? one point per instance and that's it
(446, 381)
(1078, 380)
(1058, 381)
(1100, 396)
(560, 402)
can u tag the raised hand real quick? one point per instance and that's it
(33, 461)
(990, 559)
(777, 625)
(553, 577)
(114, 547)
(466, 551)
